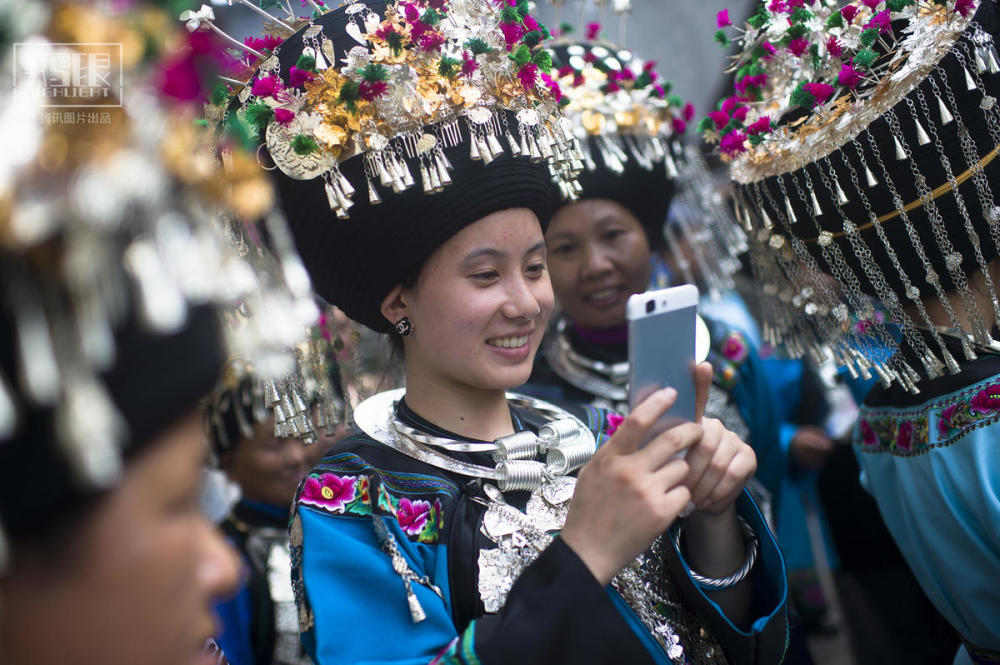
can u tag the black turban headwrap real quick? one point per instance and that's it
(354, 263)
(155, 381)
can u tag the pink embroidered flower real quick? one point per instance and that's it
(283, 116)
(849, 12)
(986, 400)
(868, 436)
(821, 92)
(798, 46)
(944, 420)
(722, 19)
(964, 7)
(412, 515)
(880, 21)
(732, 143)
(735, 348)
(328, 491)
(720, 118)
(760, 126)
(267, 86)
(593, 29)
(849, 77)
(613, 421)
(904, 435)
(834, 47)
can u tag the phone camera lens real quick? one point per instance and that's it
(650, 306)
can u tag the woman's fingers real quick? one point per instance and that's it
(665, 445)
(630, 433)
(718, 466)
(702, 382)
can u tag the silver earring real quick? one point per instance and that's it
(404, 327)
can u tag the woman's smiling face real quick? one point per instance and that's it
(598, 256)
(480, 305)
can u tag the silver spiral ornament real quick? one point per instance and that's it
(519, 475)
(517, 446)
(557, 432)
(568, 457)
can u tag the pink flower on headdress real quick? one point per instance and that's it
(512, 32)
(328, 491)
(688, 112)
(849, 77)
(871, 4)
(469, 64)
(849, 12)
(265, 43)
(795, 4)
(964, 7)
(678, 125)
(880, 21)
(298, 77)
(370, 90)
(267, 86)
(777, 6)
(528, 75)
(720, 118)
(768, 48)
(658, 89)
(593, 30)
(760, 126)
(552, 86)
(611, 87)
(283, 116)
(798, 46)
(732, 143)
(530, 23)
(834, 47)
(821, 92)
(626, 74)
(431, 41)
(412, 515)
(740, 114)
(722, 19)
(612, 423)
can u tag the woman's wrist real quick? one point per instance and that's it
(713, 543)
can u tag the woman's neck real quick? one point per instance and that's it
(472, 413)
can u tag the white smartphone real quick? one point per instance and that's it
(661, 350)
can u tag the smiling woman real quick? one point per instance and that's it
(465, 523)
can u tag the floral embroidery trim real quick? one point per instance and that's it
(413, 500)
(935, 425)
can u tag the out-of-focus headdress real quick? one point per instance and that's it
(393, 126)
(862, 142)
(121, 244)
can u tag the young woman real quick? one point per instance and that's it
(437, 532)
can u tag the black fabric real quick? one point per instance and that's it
(354, 263)
(156, 380)
(238, 527)
(929, 163)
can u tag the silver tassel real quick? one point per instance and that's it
(425, 179)
(536, 154)
(442, 172)
(991, 58)
(515, 149)
(970, 83)
(980, 63)
(922, 137)
(331, 196)
(373, 197)
(435, 180)
(841, 196)
(494, 144)
(900, 153)
(384, 177)
(817, 210)
(768, 224)
(668, 161)
(8, 422)
(791, 213)
(946, 116)
(525, 147)
(408, 180)
(345, 184)
(484, 151)
(869, 178)
(474, 148)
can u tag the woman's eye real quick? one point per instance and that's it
(486, 275)
(562, 249)
(613, 234)
(535, 269)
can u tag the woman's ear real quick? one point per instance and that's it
(393, 306)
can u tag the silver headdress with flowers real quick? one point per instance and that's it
(423, 76)
(134, 221)
(862, 141)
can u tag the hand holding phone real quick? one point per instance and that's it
(661, 350)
